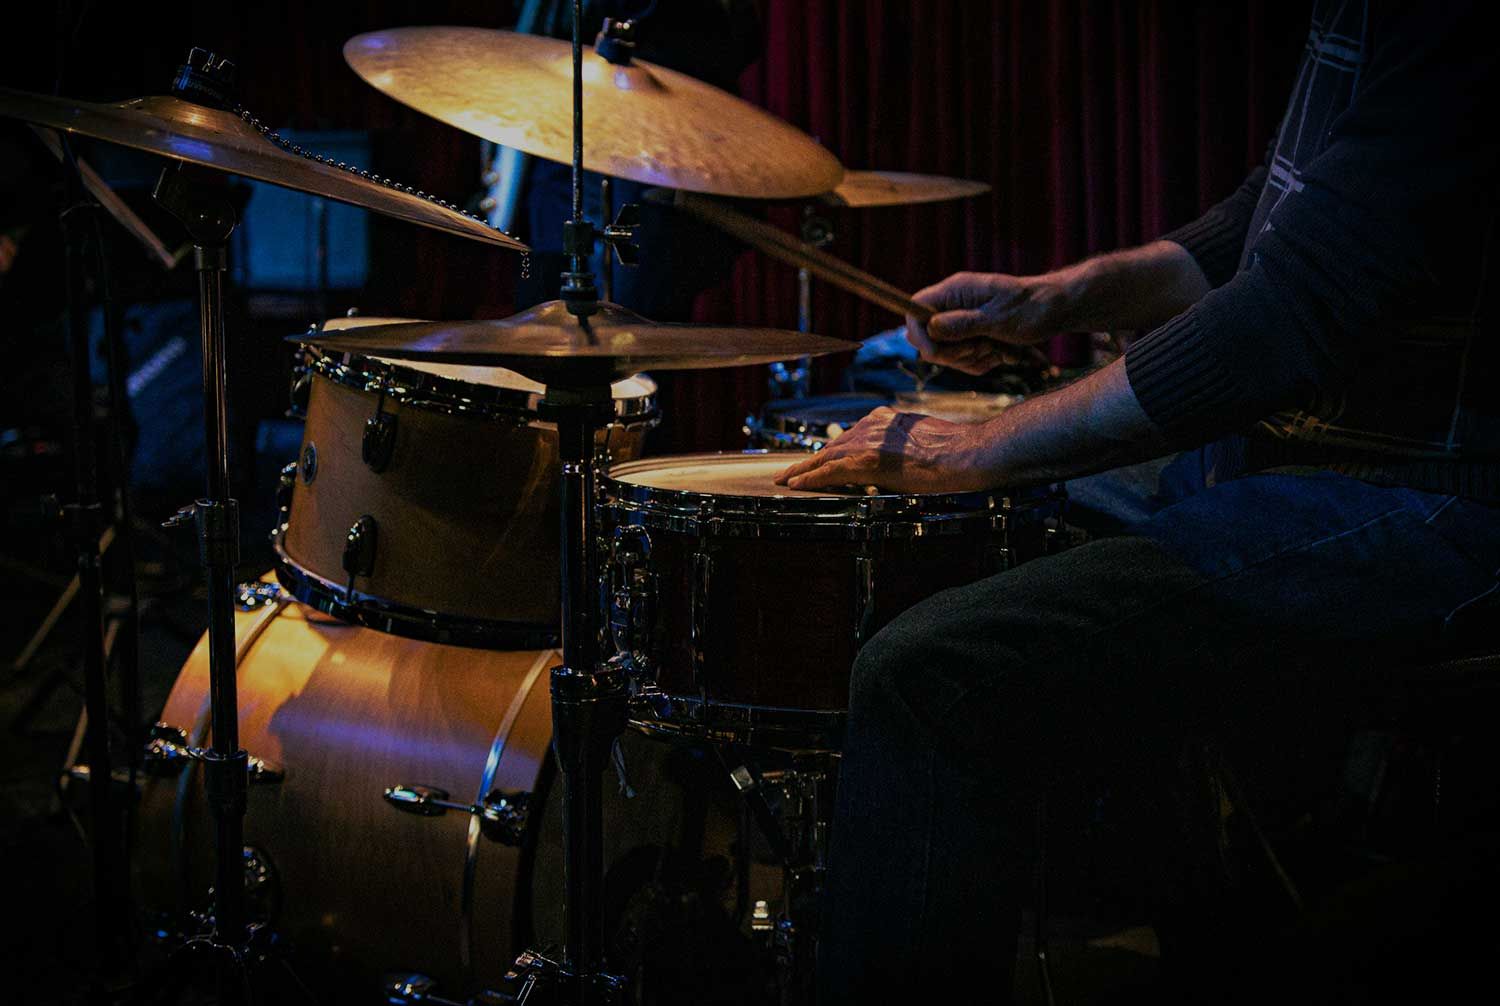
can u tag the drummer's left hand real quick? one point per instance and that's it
(897, 451)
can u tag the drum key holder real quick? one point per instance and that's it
(502, 815)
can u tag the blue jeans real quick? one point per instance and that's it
(1240, 610)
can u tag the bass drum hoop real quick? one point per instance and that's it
(422, 624)
(417, 389)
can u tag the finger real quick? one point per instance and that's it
(839, 472)
(916, 336)
(807, 464)
(953, 326)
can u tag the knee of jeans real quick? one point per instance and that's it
(889, 668)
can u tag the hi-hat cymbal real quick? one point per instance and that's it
(218, 139)
(642, 122)
(899, 188)
(549, 345)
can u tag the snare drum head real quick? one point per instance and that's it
(716, 475)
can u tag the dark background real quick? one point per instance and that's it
(1098, 124)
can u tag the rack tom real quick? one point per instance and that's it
(424, 500)
(740, 605)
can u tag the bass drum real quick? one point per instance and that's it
(358, 889)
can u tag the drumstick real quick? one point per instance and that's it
(779, 244)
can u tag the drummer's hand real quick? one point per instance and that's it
(897, 451)
(985, 319)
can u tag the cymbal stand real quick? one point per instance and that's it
(589, 696)
(210, 219)
(84, 517)
(794, 380)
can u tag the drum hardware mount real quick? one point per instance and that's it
(502, 815)
(168, 752)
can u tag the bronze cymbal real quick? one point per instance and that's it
(899, 188)
(218, 139)
(549, 345)
(642, 122)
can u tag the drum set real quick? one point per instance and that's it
(359, 768)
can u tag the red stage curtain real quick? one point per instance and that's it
(1098, 124)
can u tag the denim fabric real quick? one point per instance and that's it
(1243, 610)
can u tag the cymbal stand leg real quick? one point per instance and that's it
(210, 219)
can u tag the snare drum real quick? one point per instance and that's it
(424, 500)
(740, 604)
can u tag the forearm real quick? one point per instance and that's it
(1133, 288)
(1091, 425)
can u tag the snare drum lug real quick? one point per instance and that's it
(702, 583)
(359, 547)
(379, 441)
(864, 599)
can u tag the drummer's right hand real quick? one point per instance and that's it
(985, 319)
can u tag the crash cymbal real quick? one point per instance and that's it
(899, 188)
(549, 345)
(642, 122)
(218, 139)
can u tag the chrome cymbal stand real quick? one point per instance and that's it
(231, 946)
(589, 696)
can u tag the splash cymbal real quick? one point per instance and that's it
(642, 122)
(549, 345)
(218, 139)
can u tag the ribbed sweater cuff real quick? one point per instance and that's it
(1181, 380)
(1215, 241)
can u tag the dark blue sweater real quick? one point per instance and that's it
(1354, 324)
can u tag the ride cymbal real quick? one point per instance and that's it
(642, 122)
(218, 139)
(550, 345)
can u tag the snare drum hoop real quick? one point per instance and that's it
(374, 612)
(850, 518)
(417, 389)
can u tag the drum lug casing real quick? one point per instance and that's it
(359, 547)
(632, 602)
(864, 598)
(378, 443)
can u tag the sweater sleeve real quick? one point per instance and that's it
(1216, 239)
(1356, 246)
